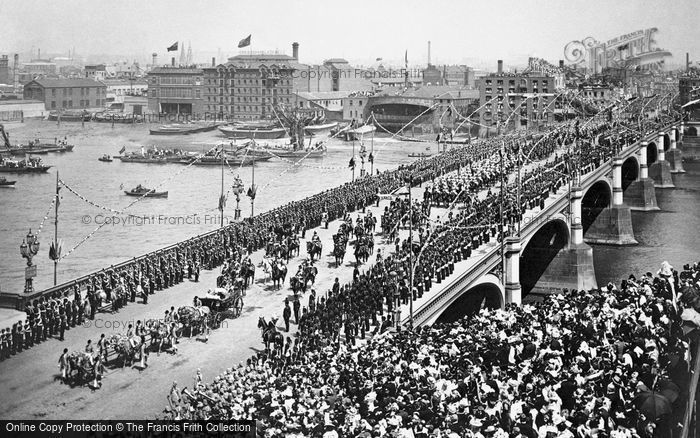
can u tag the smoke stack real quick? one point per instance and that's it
(428, 52)
(155, 59)
(39, 55)
(172, 61)
(295, 51)
(561, 63)
(500, 66)
(687, 61)
(213, 61)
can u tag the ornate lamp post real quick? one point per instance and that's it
(29, 248)
(237, 190)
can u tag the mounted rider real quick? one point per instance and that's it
(315, 238)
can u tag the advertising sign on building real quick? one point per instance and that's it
(628, 51)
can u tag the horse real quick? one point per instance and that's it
(361, 252)
(247, 272)
(297, 283)
(126, 348)
(293, 245)
(266, 264)
(191, 317)
(279, 274)
(269, 333)
(310, 273)
(339, 253)
(314, 248)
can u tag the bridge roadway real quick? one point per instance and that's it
(478, 269)
(30, 383)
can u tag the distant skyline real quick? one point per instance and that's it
(461, 32)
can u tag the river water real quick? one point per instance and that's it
(191, 208)
(671, 234)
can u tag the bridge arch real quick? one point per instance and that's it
(595, 200)
(667, 142)
(652, 152)
(630, 172)
(486, 291)
(540, 249)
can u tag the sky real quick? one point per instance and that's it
(460, 31)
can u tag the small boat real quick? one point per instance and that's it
(105, 158)
(320, 129)
(141, 191)
(29, 165)
(243, 160)
(182, 128)
(70, 116)
(289, 151)
(419, 155)
(250, 131)
(143, 159)
(5, 183)
(357, 133)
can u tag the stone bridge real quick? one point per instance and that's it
(552, 251)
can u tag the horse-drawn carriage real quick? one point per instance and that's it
(222, 304)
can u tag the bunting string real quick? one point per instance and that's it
(46, 215)
(140, 198)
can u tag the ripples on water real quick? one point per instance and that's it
(195, 191)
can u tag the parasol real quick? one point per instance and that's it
(652, 404)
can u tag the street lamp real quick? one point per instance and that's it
(237, 190)
(28, 249)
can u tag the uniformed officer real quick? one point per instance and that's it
(286, 314)
(297, 306)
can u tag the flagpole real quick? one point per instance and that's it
(252, 199)
(55, 234)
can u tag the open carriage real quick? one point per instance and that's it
(223, 304)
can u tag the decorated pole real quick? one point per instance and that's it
(371, 153)
(222, 200)
(56, 253)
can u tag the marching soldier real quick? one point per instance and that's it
(286, 314)
(64, 365)
(297, 306)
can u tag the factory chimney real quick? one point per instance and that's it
(428, 53)
(295, 51)
(172, 61)
(500, 66)
(213, 61)
(155, 59)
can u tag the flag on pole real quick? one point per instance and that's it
(352, 163)
(122, 150)
(222, 202)
(245, 42)
(173, 48)
(251, 191)
(379, 59)
(406, 59)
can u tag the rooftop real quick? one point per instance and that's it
(323, 95)
(68, 83)
(176, 70)
(434, 92)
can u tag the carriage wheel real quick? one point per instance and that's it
(238, 307)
